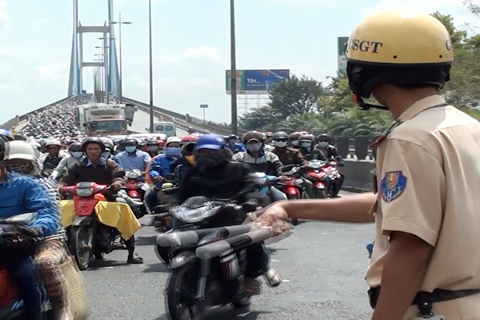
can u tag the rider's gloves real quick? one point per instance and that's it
(33, 232)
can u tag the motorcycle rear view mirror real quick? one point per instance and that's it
(119, 174)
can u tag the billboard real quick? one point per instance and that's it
(342, 59)
(256, 81)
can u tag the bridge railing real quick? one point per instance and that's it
(184, 120)
(17, 119)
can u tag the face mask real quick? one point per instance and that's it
(172, 151)
(295, 143)
(306, 144)
(190, 159)
(106, 154)
(280, 144)
(211, 159)
(76, 154)
(130, 149)
(253, 147)
(20, 168)
(323, 144)
(153, 148)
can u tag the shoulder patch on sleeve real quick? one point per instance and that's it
(393, 184)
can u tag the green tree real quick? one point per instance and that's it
(296, 96)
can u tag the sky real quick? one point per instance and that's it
(191, 46)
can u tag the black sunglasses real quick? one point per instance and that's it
(281, 139)
(322, 140)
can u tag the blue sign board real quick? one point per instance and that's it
(257, 81)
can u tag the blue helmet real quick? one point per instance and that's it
(210, 141)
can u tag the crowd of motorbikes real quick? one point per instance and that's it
(207, 259)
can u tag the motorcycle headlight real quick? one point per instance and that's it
(84, 192)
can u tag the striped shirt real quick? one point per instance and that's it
(53, 193)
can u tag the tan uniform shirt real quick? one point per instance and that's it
(428, 173)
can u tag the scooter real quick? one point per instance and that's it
(314, 172)
(87, 235)
(136, 190)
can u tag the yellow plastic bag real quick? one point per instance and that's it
(113, 214)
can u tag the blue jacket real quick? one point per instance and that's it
(237, 147)
(24, 194)
(139, 160)
(162, 161)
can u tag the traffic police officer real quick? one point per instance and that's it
(426, 209)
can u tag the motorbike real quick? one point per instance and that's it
(136, 190)
(332, 173)
(160, 217)
(11, 304)
(292, 184)
(314, 172)
(88, 235)
(208, 261)
(265, 184)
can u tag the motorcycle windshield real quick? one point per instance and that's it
(193, 215)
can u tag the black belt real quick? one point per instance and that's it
(424, 300)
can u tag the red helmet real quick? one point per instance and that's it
(191, 138)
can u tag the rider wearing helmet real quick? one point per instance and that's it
(286, 155)
(293, 139)
(233, 145)
(152, 147)
(255, 156)
(53, 158)
(306, 143)
(75, 156)
(109, 148)
(215, 177)
(329, 150)
(159, 167)
(95, 168)
(21, 158)
(23, 194)
(187, 159)
(132, 158)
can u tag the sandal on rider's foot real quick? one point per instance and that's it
(253, 287)
(272, 278)
(135, 260)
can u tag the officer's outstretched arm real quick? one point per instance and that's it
(355, 209)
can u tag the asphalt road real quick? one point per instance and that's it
(141, 121)
(323, 266)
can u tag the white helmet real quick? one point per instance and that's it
(19, 149)
(53, 143)
(173, 139)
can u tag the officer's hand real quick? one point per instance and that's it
(116, 187)
(274, 216)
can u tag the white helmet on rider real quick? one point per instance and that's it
(53, 142)
(172, 139)
(20, 150)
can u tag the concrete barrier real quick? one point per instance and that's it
(358, 177)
